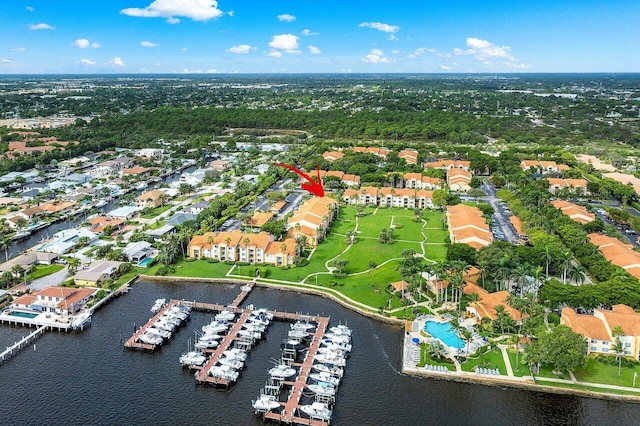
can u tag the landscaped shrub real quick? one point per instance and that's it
(302, 262)
(264, 272)
(554, 319)
(189, 259)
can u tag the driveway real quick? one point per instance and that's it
(54, 279)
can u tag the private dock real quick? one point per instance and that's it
(21, 344)
(135, 343)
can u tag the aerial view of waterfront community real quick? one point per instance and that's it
(315, 249)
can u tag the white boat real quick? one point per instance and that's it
(281, 372)
(233, 363)
(334, 371)
(256, 335)
(224, 372)
(302, 325)
(254, 326)
(101, 203)
(158, 305)
(260, 318)
(160, 332)
(265, 403)
(209, 336)
(176, 312)
(192, 358)
(322, 389)
(325, 378)
(141, 185)
(164, 325)
(150, 339)
(330, 359)
(225, 316)
(332, 352)
(206, 344)
(340, 330)
(169, 319)
(215, 327)
(317, 410)
(338, 338)
(298, 334)
(235, 353)
(262, 312)
(335, 346)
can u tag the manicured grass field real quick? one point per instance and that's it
(597, 372)
(523, 369)
(367, 250)
(44, 270)
(492, 359)
(201, 268)
(425, 358)
(155, 212)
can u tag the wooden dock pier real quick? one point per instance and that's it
(21, 344)
(134, 343)
(246, 289)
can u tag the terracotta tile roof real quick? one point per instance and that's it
(25, 299)
(332, 155)
(587, 325)
(154, 194)
(278, 205)
(99, 223)
(135, 170)
(618, 253)
(623, 316)
(275, 247)
(567, 183)
(53, 207)
(625, 179)
(575, 212)
(447, 163)
(55, 291)
(517, 224)
(260, 218)
(487, 302)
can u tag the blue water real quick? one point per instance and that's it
(22, 314)
(444, 332)
(145, 262)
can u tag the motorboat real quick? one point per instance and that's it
(206, 344)
(322, 389)
(332, 352)
(250, 334)
(254, 326)
(209, 336)
(233, 363)
(191, 358)
(225, 316)
(293, 345)
(101, 203)
(170, 320)
(330, 359)
(216, 327)
(235, 353)
(262, 312)
(302, 325)
(224, 372)
(164, 325)
(150, 339)
(334, 371)
(176, 312)
(298, 334)
(141, 185)
(260, 318)
(334, 345)
(340, 330)
(317, 410)
(338, 338)
(282, 372)
(325, 378)
(160, 332)
(265, 403)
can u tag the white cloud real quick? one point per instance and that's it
(286, 42)
(275, 54)
(484, 49)
(117, 62)
(184, 49)
(285, 17)
(376, 56)
(19, 50)
(6, 61)
(147, 43)
(83, 43)
(241, 48)
(308, 32)
(30, 8)
(314, 50)
(87, 62)
(198, 10)
(41, 26)
(445, 67)
(392, 38)
(386, 28)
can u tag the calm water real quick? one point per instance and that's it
(87, 378)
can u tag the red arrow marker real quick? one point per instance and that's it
(313, 187)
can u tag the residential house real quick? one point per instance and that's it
(578, 185)
(448, 164)
(466, 225)
(259, 218)
(96, 273)
(459, 179)
(151, 199)
(98, 224)
(312, 219)
(347, 179)
(618, 253)
(485, 306)
(138, 251)
(180, 218)
(111, 167)
(59, 300)
(25, 260)
(598, 329)
(136, 171)
(543, 167)
(197, 208)
(380, 152)
(153, 153)
(332, 156)
(161, 233)
(29, 213)
(575, 212)
(53, 207)
(418, 181)
(124, 212)
(220, 165)
(65, 240)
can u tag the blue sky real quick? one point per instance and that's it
(273, 36)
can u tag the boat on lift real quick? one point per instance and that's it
(317, 411)
(265, 403)
(192, 358)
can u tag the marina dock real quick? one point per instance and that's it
(135, 343)
(21, 344)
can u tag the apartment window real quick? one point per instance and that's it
(605, 343)
(593, 349)
(605, 350)
(593, 341)
(627, 345)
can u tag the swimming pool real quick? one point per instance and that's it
(145, 262)
(444, 332)
(23, 314)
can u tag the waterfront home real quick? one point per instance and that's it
(58, 300)
(459, 179)
(53, 207)
(485, 306)
(29, 213)
(598, 329)
(466, 225)
(575, 212)
(197, 208)
(27, 175)
(153, 153)
(110, 167)
(151, 199)
(63, 241)
(180, 218)
(98, 224)
(312, 219)
(124, 213)
(136, 171)
(25, 260)
(220, 165)
(618, 253)
(138, 251)
(159, 234)
(237, 246)
(96, 273)
(577, 185)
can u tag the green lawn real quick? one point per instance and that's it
(155, 212)
(44, 270)
(425, 358)
(523, 369)
(367, 250)
(597, 372)
(201, 268)
(491, 359)
(433, 218)
(436, 235)
(409, 230)
(434, 252)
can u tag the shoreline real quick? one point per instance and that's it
(461, 377)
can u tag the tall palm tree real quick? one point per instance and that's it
(5, 243)
(565, 258)
(73, 263)
(483, 267)
(548, 257)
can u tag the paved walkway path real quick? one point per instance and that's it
(507, 361)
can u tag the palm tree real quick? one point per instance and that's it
(210, 242)
(617, 346)
(577, 274)
(483, 267)
(467, 336)
(73, 263)
(548, 257)
(500, 314)
(301, 243)
(5, 243)
(565, 258)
